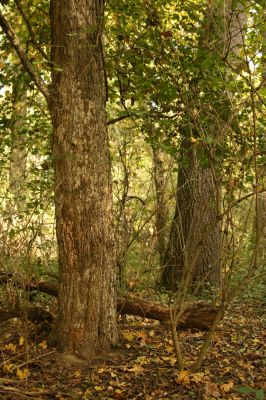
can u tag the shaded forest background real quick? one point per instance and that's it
(170, 68)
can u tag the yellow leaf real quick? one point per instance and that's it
(118, 394)
(21, 340)
(169, 349)
(77, 373)
(136, 369)
(99, 388)
(142, 360)
(11, 347)
(227, 386)
(43, 344)
(152, 333)
(87, 394)
(22, 373)
(172, 360)
(7, 367)
(128, 336)
(183, 377)
(101, 370)
(197, 377)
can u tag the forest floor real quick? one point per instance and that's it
(143, 367)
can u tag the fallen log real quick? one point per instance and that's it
(34, 314)
(196, 316)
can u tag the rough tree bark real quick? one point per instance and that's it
(196, 210)
(83, 202)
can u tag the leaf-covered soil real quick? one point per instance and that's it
(143, 367)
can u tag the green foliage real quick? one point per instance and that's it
(170, 70)
(258, 393)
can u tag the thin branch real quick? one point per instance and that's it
(115, 120)
(32, 35)
(135, 197)
(247, 80)
(245, 197)
(16, 44)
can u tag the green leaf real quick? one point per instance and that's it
(259, 394)
(245, 389)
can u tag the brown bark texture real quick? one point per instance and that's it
(83, 198)
(197, 316)
(195, 226)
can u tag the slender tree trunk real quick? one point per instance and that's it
(83, 201)
(160, 223)
(18, 153)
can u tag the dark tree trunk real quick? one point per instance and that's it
(195, 226)
(160, 223)
(83, 202)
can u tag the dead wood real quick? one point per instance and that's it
(34, 314)
(196, 316)
(199, 315)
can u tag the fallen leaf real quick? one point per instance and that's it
(7, 367)
(77, 373)
(43, 344)
(87, 393)
(136, 369)
(227, 386)
(197, 377)
(211, 389)
(11, 347)
(183, 377)
(21, 340)
(101, 370)
(128, 336)
(99, 388)
(22, 373)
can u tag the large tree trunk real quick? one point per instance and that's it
(195, 226)
(83, 205)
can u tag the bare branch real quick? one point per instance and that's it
(16, 44)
